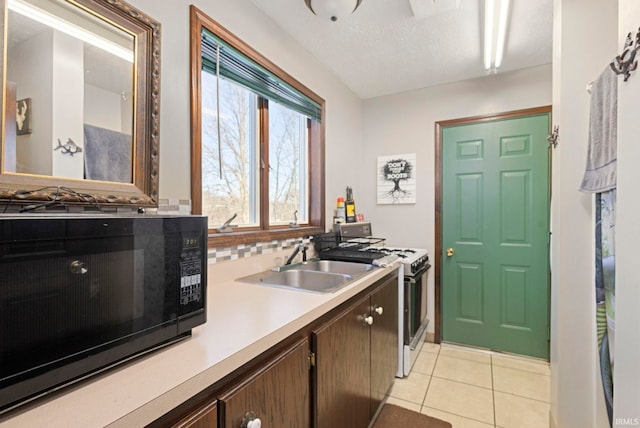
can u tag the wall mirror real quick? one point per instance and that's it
(81, 103)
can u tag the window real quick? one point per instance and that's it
(288, 181)
(257, 142)
(230, 173)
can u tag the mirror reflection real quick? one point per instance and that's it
(69, 86)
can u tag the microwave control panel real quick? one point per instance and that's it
(190, 272)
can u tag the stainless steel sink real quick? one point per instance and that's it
(306, 280)
(320, 276)
(346, 268)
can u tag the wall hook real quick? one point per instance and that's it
(626, 62)
(553, 137)
(69, 148)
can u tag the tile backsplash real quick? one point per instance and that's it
(220, 254)
(174, 207)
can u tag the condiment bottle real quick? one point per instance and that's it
(340, 211)
(350, 207)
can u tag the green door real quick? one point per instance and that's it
(495, 235)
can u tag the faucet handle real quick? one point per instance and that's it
(226, 227)
(294, 223)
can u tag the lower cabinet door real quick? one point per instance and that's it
(342, 372)
(384, 340)
(277, 394)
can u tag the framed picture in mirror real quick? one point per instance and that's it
(23, 116)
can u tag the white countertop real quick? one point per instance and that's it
(243, 321)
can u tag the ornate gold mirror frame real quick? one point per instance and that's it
(142, 191)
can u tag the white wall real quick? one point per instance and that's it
(104, 109)
(405, 123)
(241, 17)
(627, 347)
(29, 65)
(42, 71)
(67, 105)
(584, 43)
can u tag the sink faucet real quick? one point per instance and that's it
(298, 248)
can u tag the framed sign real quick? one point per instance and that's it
(397, 179)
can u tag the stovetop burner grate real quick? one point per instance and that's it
(326, 241)
(329, 246)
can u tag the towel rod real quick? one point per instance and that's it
(626, 62)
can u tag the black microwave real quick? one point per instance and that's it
(80, 293)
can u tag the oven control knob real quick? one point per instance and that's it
(368, 319)
(378, 310)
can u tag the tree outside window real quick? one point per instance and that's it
(257, 142)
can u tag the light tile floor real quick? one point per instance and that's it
(476, 389)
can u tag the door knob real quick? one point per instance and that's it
(450, 252)
(367, 320)
(250, 420)
(378, 310)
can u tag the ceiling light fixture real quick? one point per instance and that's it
(70, 29)
(332, 9)
(496, 18)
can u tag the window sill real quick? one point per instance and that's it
(216, 240)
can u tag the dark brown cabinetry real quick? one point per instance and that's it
(278, 394)
(206, 417)
(353, 364)
(356, 359)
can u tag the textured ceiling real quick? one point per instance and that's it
(382, 48)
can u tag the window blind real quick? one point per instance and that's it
(244, 71)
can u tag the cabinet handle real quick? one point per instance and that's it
(368, 319)
(378, 310)
(256, 423)
(78, 268)
(250, 420)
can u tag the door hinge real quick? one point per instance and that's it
(553, 137)
(312, 359)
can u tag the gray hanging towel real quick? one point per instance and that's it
(107, 154)
(600, 173)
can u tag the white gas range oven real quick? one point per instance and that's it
(412, 292)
